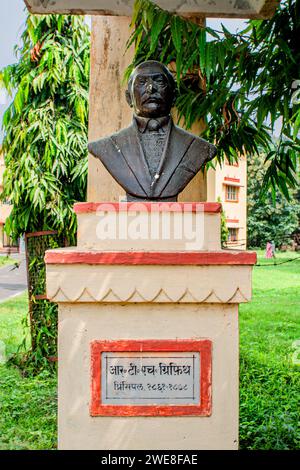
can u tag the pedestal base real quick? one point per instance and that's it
(81, 324)
(148, 329)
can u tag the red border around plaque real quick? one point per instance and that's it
(203, 346)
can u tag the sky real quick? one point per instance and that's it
(12, 23)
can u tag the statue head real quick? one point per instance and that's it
(151, 90)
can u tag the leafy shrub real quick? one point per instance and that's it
(274, 218)
(269, 406)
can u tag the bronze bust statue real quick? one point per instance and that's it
(152, 159)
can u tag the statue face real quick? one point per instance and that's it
(151, 94)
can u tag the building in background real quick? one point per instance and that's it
(6, 244)
(228, 183)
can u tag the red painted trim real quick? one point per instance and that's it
(52, 359)
(204, 347)
(234, 180)
(39, 234)
(151, 258)
(84, 207)
(232, 221)
(41, 297)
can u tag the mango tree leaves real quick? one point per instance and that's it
(45, 126)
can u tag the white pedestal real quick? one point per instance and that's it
(125, 296)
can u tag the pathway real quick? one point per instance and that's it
(13, 280)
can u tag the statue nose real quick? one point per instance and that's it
(149, 87)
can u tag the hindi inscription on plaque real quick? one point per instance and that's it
(143, 378)
(151, 377)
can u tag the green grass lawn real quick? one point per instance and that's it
(12, 314)
(270, 382)
(28, 405)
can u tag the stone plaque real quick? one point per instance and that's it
(151, 377)
(216, 8)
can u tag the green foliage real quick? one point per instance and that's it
(43, 328)
(224, 228)
(45, 143)
(42, 319)
(238, 84)
(28, 410)
(28, 404)
(268, 220)
(45, 150)
(269, 404)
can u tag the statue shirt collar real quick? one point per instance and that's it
(143, 123)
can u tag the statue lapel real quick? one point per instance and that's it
(129, 147)
(177, 146)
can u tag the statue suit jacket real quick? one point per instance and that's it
(183, 156)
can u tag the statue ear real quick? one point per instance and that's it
(128, 98)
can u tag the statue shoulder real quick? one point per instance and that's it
(101, 146)
(209, 148)
(198, 145)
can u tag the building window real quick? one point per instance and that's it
(233, 234)
(232, 193)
